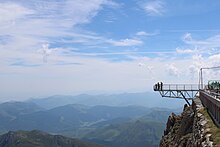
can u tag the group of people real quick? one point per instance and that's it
(158, 86)
(213, 86)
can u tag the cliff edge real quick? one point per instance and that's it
(190, 128)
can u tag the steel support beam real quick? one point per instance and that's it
(184, 98)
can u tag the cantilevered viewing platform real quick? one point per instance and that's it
(181, 91)
(209, 94)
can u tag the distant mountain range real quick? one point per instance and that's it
(10, 111)
(40, 139)
(29, 116)
(115, 124)
(146, 99)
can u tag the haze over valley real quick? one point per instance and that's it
(81, 72)
(104, 119)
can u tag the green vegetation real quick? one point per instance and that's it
(40, 139)
(214, 84)
(132, 134)
(214, 130)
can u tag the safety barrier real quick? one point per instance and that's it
(171, 87)
(212, 102)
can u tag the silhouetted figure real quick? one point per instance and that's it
(155, 87)
(161, 85)
(158, 86)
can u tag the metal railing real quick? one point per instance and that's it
(214, 94)
(182, 87)
(172, 87)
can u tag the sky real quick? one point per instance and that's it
(50, 47)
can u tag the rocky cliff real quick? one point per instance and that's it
(188, 129)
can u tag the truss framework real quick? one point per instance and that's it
(180, 91)
(187, 95)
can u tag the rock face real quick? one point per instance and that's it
(188, 129)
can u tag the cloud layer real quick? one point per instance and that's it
(67, 47)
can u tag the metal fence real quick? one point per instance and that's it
(181, 87)
(171, 87)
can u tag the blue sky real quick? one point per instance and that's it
(104, 46)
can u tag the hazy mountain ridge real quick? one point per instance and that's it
(117, 124)
(13, 109)
(146, 99)
(40, 139)
(69, 118)
(10, 111)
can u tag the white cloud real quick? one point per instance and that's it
(172, 70)
(9, 12)
(141, 33)
(37, 22)
(25, 26)
(198, 61)
(46, 51)
(199, 48)
(185, 51)
(211, 42)
(215, 60)
(48, 79)
(141, 64)
(154, 8)
(45, 19)
(125, 42)
(193, 71)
